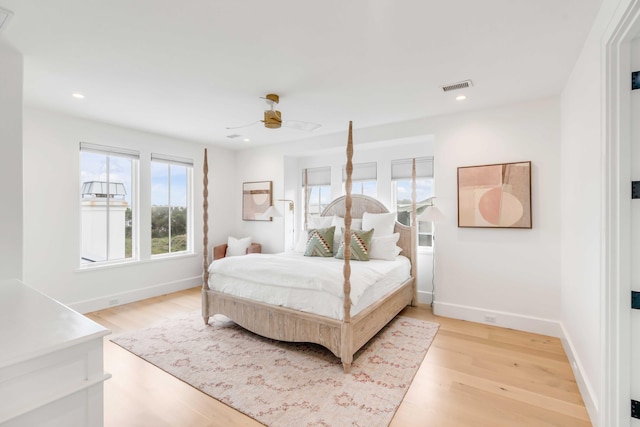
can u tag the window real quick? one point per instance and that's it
(108, 186)
(364, 179)
(318, 189)
(401, 173)
(171, 190)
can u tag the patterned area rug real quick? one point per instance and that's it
(287, 384)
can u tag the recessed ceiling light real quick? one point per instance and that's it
(460, 98)
(78, 95)
(246, 140)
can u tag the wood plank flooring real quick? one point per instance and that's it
(473, 375)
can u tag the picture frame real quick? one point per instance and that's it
(257, 197)
(495, 196)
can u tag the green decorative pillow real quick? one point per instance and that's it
(360, 245)
(320, 242)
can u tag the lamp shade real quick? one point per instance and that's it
(272, 212)
(432, 214)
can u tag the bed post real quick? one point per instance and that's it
(347, 332)
(414, 234)
(205, 238)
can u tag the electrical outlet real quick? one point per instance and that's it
(113, 302)
(490, 318)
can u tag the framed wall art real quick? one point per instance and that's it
(256, 199)
(495, 196)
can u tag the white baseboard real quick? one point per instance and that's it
(113, 300)
(424, 297)
(589, 397)
(499, 318)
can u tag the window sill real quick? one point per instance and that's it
(105, 265)
(153, 259)
(178, 255)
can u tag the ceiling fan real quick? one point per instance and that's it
(273, 118)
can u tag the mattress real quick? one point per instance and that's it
(309, 284)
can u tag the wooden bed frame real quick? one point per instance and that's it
(343, 338)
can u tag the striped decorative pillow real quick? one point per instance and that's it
(320, 242)
(360, 245)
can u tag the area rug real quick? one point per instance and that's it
(287, 384)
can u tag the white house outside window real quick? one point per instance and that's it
(401, 178)
(108, 188)
(171, 213)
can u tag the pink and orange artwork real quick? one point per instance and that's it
(497, 196)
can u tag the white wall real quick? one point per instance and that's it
(51, 212)
(10, 163)
(262, 164)
(582, 223)
(512, 274)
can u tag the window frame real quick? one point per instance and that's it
(425, 172)
(108, 152)
(316, 178)
(167, 160)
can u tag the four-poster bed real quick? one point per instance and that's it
(345, 334)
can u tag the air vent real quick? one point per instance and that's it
(234, 136)
(455, 86)
(5, 17)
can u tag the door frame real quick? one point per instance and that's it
(615, 393)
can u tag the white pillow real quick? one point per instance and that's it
(301, 244)
(382, 223)
(319, 222)
(236, 247)
(384, 247)
(338, 222)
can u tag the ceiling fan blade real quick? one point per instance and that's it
(244, 126)
(305, 126)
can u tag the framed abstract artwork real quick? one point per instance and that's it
(256, 199)
(495, 196)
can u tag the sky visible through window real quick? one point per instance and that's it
(160, 189)
(94, 168)
(424, 189)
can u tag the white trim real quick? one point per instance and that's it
(615, 393)
(425, 297)
(589, 396)
(165, 158)
(112, 300)
(503, 319)
(103, 149)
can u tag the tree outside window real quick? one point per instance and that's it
(170, 206)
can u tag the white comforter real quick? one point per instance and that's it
(292, 270)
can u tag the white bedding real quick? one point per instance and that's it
(310, 284)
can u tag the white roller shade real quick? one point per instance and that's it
(318, 176)
(122, 152)
(171, 159)
(401, 169)
(362, 172)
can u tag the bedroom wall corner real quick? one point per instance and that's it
(11, 170)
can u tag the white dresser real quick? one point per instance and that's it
(51, 362)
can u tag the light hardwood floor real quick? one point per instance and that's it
(473, 375)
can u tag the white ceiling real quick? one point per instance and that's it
(189, 69)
